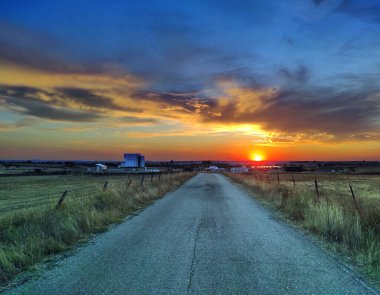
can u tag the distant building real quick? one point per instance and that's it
(101, 167)
(212, 168)
(133, 161)
(239, 169)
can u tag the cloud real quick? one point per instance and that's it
(300, 74)
(41, 110)
(138, 120)
(288, 40)
(318, 2)
(87, 98)
(27, 48)
(360, 10)
(33, 49)
(191, 83)
(321, 110)
(187, 102)
(315, 112)
(42, 104)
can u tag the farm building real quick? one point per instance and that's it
(133, 161)
(212, 168)
(101, 167)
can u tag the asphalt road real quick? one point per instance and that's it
(207, 237)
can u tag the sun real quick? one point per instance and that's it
(257, 157)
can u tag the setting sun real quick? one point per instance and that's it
(257, 157)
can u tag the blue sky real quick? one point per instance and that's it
(317, 58)
(179, 44)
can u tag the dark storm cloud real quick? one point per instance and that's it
(361, 10)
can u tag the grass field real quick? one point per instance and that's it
(21, 193)
(20, 169)
(31, 227)
(366, 188)
(352, 228)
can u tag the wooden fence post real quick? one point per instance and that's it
(316, 186)
(61, 199)
(151, 178)
(105, 185)
(129, 183)
(353, 195)
(142, 179)
(278, 178)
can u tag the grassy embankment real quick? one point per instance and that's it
(29, 235)
(352, 230)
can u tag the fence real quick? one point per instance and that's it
(325, 185)
(12, 200)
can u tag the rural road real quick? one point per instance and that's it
(207, 237)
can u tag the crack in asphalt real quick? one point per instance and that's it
(193, 260)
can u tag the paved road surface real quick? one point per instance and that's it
(208, 237)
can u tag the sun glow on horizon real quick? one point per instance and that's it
(257, 157)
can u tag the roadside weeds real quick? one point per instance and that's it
(34, 234)
(353, 233)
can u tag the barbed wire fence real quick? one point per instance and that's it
(77, 191)
(312, 181)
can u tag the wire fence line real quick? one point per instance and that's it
(78, 190)
(342, 183)
(325, 185)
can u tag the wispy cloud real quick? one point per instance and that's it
(360, 9)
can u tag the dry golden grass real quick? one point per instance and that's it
(29, 235)
(352, 230)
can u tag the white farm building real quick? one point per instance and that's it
(101, 167)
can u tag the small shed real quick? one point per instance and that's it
(101, 167)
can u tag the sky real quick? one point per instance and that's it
(190, 80)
